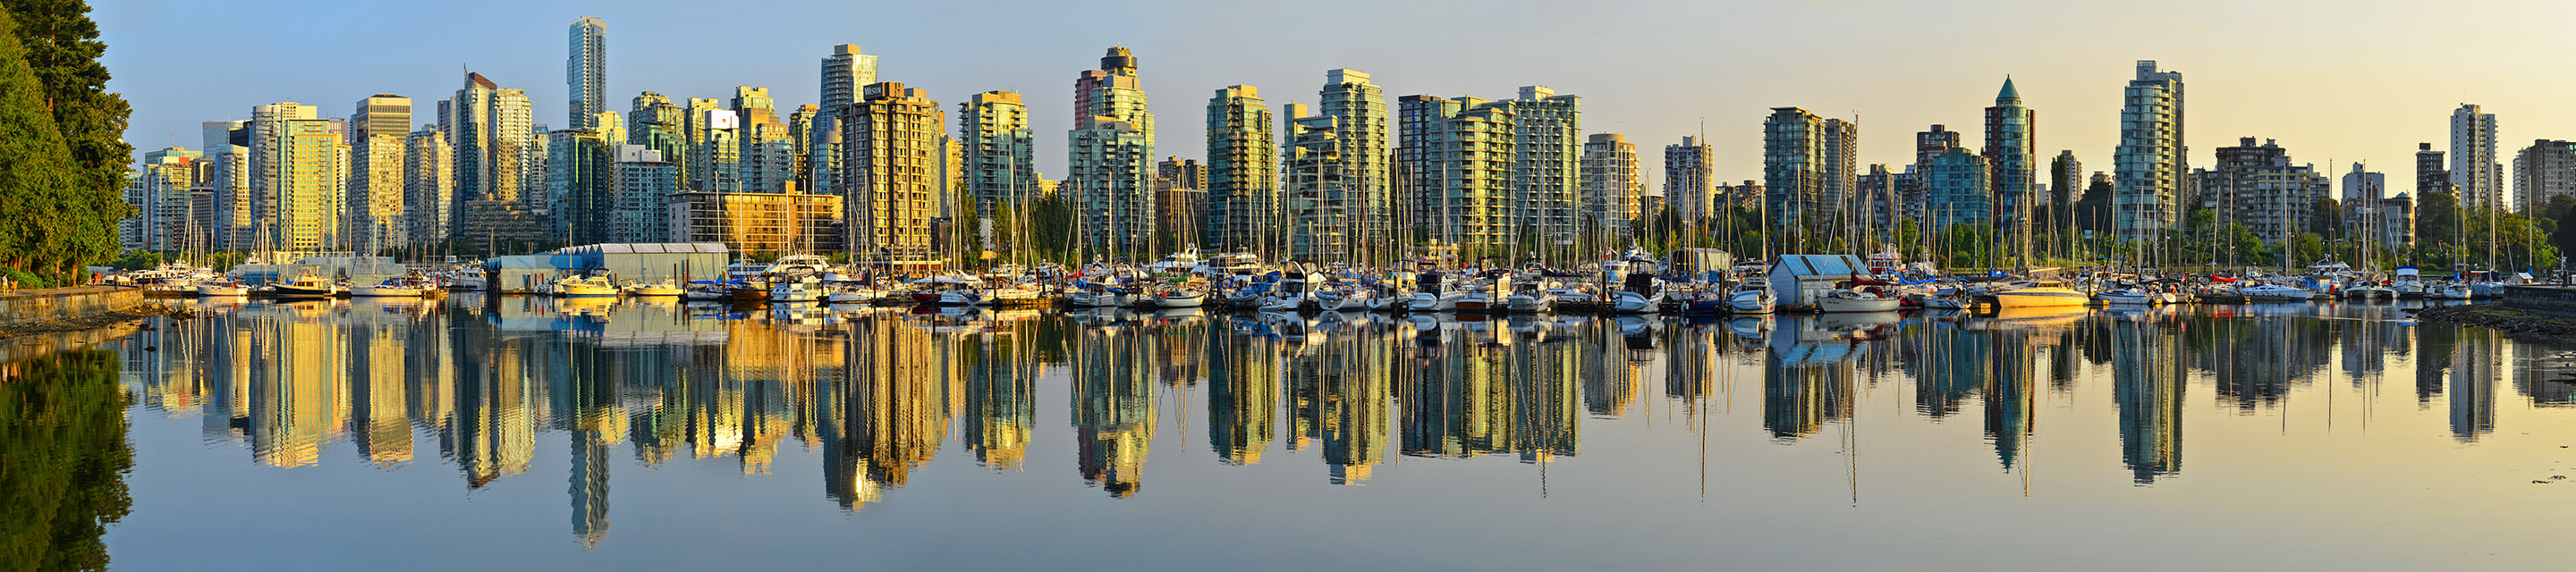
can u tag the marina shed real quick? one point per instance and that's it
(649, 261)
(1799, 279)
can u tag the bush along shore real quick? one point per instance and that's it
(2500, 318)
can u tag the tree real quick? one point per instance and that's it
(62, 424)
(35, 215)
(2309, 247)
(2093, 212)
(2325, 218)
(60, 45)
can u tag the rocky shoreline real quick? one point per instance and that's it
(94, 321)
(2500, 318)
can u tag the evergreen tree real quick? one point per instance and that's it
(61, 47)
(34, 214)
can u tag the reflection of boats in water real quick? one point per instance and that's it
(1752, 327)
(2041, 314)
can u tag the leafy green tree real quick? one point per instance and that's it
(63, 459)
(60, 46)
(37, 171)
(2325, 218)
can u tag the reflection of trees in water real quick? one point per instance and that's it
(63, 460)
(2255, 361)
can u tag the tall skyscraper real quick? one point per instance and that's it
(1457, 155)
(2362, 189)
(227, 144)
(163, 202)
(1914, 187)
(1547, 168)
(1841, 159)
(1364, 208)
(843, 73)
(1611, 187)
(766, 148)
(2256, 186)
(267, 142)
(496, 153)
(716, 155)
(2430, 175)
(2012, 152)
(2151, 158)
(586, 72)
(1110, 156)
(1958, 190)
(1180, 201)
(2543, 170)
(1793, 170)
(580, 167)
(800, 123)
(658, 124)
(893, 141)
(429, 185)
(2065, 182)
(2473, 158)
(1000, 155)
(641, 186)
(1315, 181)
(312, 163)
(1243, 173)
(1690, 182)
(379, 128)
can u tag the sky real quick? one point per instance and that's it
(2334, 82)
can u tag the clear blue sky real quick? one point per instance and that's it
(2333, 81)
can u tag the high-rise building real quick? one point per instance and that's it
(2543, 170)
(2362, 191)
(763, 222)
(641, 185)
(1457, 155)
(374, 218)
(586, 71)
(267, 142)
(312, 169)
(1875, 205)
(999, 148)
(429, 186)
(1546, 167)
(164, 202)
(1180, 199)
(893, 143)
(2256, 186)
(1690, 182)
(378, 130)
(1611, 186)
(1958, 190)
(492, 135)
(1110, 156)
(660, 125)
(766, 149)
(715, 151)
(800, 124)
(1243, 173)
(2065, 183)
(2430, 175)
(580, 171)
(1841, 159)
(2151, 158)
(227, 145)
(2473, 158)
(844, 72)
(2012, 130)
(1314, 178)
(1793, 170)
(1364, 209)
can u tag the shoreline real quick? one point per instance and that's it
(2496, 316)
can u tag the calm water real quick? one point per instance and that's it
(536, 434)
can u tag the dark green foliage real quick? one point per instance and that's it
(63, 460)
(61, 195)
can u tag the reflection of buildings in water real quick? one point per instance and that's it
(1696, 360)
(2539, 377)
(895, 405)
(589, 488)
(1243, 390)
(494, 431)
(1954, 367)
(2147, 384)
(377, 360)
(1800, 396)
(1113, 410)
(2473, 380)
(1610, 374)
(2439, 344)
(1465, 400)
(297, 402)
(1001, 397)
(1347, 377)
(2256, 361)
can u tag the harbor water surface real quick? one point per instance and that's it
(528, 433)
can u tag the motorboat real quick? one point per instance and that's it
(221, 288)
(2274, 293)
(396, 287)
(305, 286)
(1859, 300)
(794, 291)
(1180, 298)
(1342, 299)
(468, 278)
(1640, 295)
(2453, 291)
(663, 288)
(1752, 301)
(2039, 294)
(2127, 297)
(1529, 297)
(706, 291)
(584, 287)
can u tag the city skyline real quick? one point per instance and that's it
(2303, 106)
